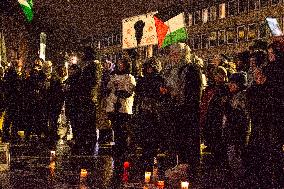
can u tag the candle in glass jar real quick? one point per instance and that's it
(184, 185)
(147, 177)
(161, 184)
(83, 173)
(52, 155)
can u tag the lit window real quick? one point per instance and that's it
(231, 35)
(241, 33)
(222, 10)
(190, 19)
(221, 37)
(252, 32)
(213, 39)
(205, 15)
(213, 13)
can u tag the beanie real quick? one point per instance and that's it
(240, 78)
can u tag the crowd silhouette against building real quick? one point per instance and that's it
(232, 106)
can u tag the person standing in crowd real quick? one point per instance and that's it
(89, 79)
(242, 63)
(119, 108)
(55, 102)
(184, 83)
(265, 100)
(36, 102)
(105, 130)
(72, 88)
(214, 123)
(207, 95)
(11, 86)
(149, 97)
(237, 122)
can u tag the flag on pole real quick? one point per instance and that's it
(27, 7)
(170, 26)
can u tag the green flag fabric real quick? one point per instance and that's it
(27, 7)
(170, 26)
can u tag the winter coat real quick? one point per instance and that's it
(72, 97)
(148, 94)
(121, 87)
(215, 118)
(237, 119)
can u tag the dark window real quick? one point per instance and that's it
(232, 8)
(213, 39)
(264, 3)
(231, 35)
(221, 37)
(263, 30)
(254, 4)
(275, 2)
(196, 42)
(213, 13)
(243, 6)
(197, 17)
(204, 41)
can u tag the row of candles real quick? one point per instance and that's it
(161, 184)
(84, 173)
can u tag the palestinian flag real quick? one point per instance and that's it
(170, 26)
(27, 7)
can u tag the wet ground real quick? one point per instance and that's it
(34, 166)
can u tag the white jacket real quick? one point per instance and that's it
(125, 82)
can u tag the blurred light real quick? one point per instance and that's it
(161, 184)
(66, 64)
(74, 59)
(147, 177)
(83, 173)
(184, 185)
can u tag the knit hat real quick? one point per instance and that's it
(220, 70)
(240, 78)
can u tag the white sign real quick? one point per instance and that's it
(149, 36)
(42, 45)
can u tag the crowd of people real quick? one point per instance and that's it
(234, 108)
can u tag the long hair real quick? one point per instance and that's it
(127, 66)
(184, 50)
(278, 50)
(152, 62)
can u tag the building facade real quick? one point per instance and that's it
(229, 27)
(214, 27)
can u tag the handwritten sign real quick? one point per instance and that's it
(129, 33)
